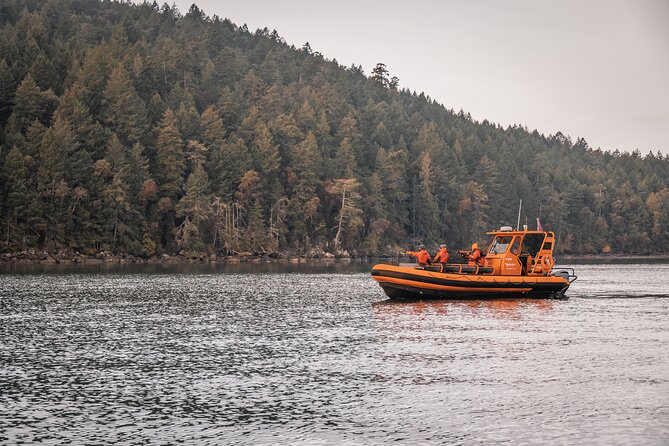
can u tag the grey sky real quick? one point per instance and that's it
(597, 69)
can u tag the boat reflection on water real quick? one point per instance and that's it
(503, 308)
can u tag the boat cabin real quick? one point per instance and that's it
(520, 253)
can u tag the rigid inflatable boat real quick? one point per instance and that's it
(518, 264)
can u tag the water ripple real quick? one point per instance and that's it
(304, 358)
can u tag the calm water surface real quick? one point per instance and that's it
(299, 355)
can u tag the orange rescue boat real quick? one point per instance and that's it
(518, 264)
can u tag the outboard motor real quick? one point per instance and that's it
(566, 274)
(561, 273)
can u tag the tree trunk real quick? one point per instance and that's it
(341, 219)
(115, 224)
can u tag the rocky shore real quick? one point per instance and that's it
(37, 257)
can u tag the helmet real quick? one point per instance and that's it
(442, 246)
(421, 246)
(475, 245)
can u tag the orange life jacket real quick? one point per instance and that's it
(476, 258)
(422, 256)
(442, 256)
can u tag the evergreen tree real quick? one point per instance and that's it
(7, 89)
(194, 208)
(228, 164)
(14, 178)
(427, 209)
(170, 157)
(30, 104)
(249, 195)
(51, 184)
(124, 111)
(345, 160)
(266, 159)
(304, 203)
(89, 133)
(391, 167)
(377, 217)
(118, 232)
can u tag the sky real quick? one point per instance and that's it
(597, 69)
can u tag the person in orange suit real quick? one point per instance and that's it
(475, 256)
(442, 255)
(422, 256)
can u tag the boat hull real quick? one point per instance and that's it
(411, 283)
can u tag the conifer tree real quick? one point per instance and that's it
(138, 169)
(228, 164)
(51, 184)
(267, 160)
(44, 73)
(92, 75)
(212, 127)
(188, 121)
(391, 167)
(286, 134)
(7, 89)
(304, 203)
(305, 116)
(155, 108)
(194, 208)
(228, 109)
(249, 195)
(118, 229)
(213, 136)
(124, 111)
(170, 157)
(89, 133)
(326, 143)
(472, 208)
(14, 178)
(345, 160)
(376, 215)
(30, 104)
(427, 209)
(115, 154)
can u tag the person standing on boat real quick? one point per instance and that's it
(442, 255)
(476, 256)
(422, 256)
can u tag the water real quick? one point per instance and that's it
(316, 355)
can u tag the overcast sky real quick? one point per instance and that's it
(597, 69)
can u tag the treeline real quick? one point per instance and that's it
(136, 129)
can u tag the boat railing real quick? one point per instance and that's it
(458, 268)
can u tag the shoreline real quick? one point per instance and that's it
(664, 256)
(37, 257)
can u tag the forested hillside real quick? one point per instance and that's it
(136, 129)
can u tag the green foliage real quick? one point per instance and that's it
(194, 208)
(131, 128)
(14, 178)
(30, 104)
(124, 111)
(170, 157)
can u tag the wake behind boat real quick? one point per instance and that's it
(517, 264)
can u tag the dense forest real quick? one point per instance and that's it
(138, 129)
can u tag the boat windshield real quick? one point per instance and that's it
(532, 244)
(500, 244)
